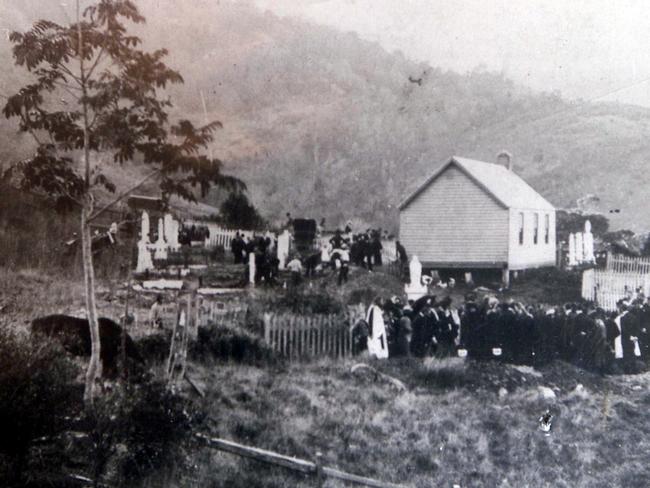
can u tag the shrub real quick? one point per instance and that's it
(302, 301)
(154, 348)
(136, 432)
(230, 343)
(156, 425)
(37, 393)
(362, 295)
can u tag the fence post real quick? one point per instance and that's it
(319, 474)
(267, 329)
(283, 336)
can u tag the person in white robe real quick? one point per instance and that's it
(377, 341)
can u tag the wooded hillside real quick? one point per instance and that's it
(324, 124)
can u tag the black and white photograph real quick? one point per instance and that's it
(324, 243)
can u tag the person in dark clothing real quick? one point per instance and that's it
(376, 248)
(404, 336)
(236, 248)
(367, 251)
(344, 259)
(400, 251)
(523, 339)
(337, 240)
(354, 251)
(471, 320)
(630, 341)
(446, 329)
(644, 332)
(583, 325)
(311, 262)
(421, 325)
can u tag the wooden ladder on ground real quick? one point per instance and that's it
(177, 361)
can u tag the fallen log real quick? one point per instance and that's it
(293, 463)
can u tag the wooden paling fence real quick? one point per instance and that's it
(606, 287)
(214, 314)
(299, 336)
(624, 264)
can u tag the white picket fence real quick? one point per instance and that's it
(606, 287)
(220, 236)
(624, 264)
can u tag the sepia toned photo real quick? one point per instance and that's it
(324, 243)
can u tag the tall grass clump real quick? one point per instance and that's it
(37, 396)
(235, 344)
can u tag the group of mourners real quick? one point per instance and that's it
(266, 261)
(335, 256)
(192, 233)
(345, 248)
(590, 337)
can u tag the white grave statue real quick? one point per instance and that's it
(415, 289)
(171, 232)
(144, 257)
(160, 245)
(144, 231)
(283, 248)
(588, 243)
(579, 248)
(572, 250)
(174, 233)
(325, 253)
(251, 268)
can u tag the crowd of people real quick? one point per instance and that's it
(335, 256)
(509, 331)
(263, 248)
(192, 233)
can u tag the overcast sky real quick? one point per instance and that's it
(592, 49)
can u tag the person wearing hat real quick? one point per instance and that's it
(622, 346)
(295, 267)
(344, 258)
(404, 337)
(630, 332)
(337, 240)
(470, 321)
(421, 326)
(446, 329)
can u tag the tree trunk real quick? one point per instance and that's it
(93, 372)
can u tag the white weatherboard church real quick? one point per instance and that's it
(472, 215)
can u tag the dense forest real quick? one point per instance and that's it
(324, 124)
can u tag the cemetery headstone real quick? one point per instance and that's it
(144, 230)
(415, 289)
(283, 248)
(160, 245)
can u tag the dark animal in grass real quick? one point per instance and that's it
(74, 334)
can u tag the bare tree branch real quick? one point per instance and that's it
(92, 68)
(69, 73)
(123, 195)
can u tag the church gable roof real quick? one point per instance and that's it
(505, 186)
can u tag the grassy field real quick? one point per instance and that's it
(458, 423)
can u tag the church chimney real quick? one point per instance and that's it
(504, 158)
